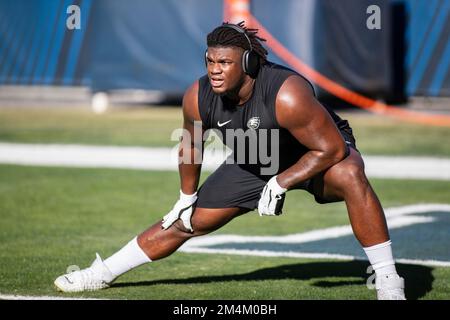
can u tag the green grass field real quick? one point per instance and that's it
(55, 217)
(52, 218)
(153, 127)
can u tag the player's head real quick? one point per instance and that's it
(233, 53)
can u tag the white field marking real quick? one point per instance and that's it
(267, 253)
(309, 236)
(308, 255)
(407, 167)
(416, 208)
(396, 217)
(166, 159)
(17, 297)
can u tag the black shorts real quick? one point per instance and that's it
(231, 185)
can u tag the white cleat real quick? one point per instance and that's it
(390, 287)
(96, 277)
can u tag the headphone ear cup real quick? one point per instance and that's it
(206, 58)
(245, 61)
(252, 63)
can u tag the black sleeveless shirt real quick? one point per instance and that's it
(255, 119)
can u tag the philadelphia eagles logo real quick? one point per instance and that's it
(253, 123)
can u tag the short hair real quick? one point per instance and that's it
(224, 36)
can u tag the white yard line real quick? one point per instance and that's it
(307, 255)
(166, 159)
(396, 217)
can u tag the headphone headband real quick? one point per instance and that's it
(240, 30)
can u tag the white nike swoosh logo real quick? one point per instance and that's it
(222, 124)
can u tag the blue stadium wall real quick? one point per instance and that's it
(121, 44)
(159, 44)
(428, 47)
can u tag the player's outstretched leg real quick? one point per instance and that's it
(153, 244)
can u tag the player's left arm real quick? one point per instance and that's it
(298, 111)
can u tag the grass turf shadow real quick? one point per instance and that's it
(418, 279)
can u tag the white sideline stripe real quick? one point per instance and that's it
(166, 159)
(407, 167)
(83, 156)
(416, 208)
(17, 297)
(396, 217)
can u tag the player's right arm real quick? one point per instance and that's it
(191, 146)
(190, 161)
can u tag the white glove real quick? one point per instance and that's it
(272, 198)
(181, 210)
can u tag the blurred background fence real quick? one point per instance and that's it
(151, 51)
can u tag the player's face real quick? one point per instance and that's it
(224, 69)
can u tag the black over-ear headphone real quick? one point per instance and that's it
(250, 59)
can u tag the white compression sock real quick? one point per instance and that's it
(127, 258)
(381, 259)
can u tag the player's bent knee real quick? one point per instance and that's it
(355, 172)
(349, 174)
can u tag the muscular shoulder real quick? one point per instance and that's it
(190, 103)
(295, 100)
